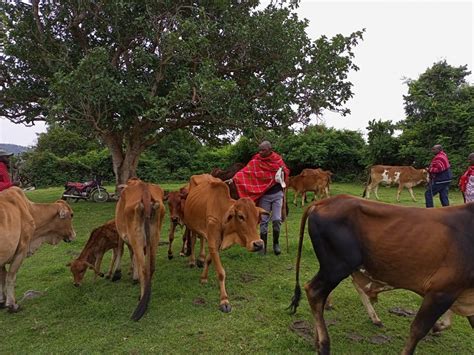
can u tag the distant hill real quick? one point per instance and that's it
(13, 148)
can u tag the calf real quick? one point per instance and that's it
(309, 182)
(427, 251)
(404, 176)
(101, 240)
(176, 202)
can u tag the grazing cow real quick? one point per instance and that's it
(139, 216)
(176, 202)
(404, 176)
(101, 240)
(310, 180)
(24, 226)
(427, 251)
(223, 222)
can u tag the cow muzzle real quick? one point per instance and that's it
(257, 245)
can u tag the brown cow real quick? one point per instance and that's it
(24, 226)
(139, 216)
(404, 176)
(101, 240)
(427, 251)
(176, 202)
(310, 181)
(223, 222)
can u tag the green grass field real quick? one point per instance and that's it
(183, 316)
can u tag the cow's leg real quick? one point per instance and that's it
(368, 305)
(376, 192)
(205, 271)
(192, 244)
(3, 275)
(224, 304)
(317, 292)
(433, 306)
(171, 239)
(112, 262)
(303, 194)
(444, 322)
(410, 190)
(10, 282)
(399, 191)
(471, 321)
(98, 262)
(295, 196)
(184, 246)
(116, 269)
(202, 252)
(368, 190)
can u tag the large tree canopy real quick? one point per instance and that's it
(134, 71)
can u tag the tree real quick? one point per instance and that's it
(382, 146)
(440, 109)
(134, 71)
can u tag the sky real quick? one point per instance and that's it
(402, 39)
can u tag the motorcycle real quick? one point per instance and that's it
(90, 190)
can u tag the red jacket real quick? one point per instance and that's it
(5, 181)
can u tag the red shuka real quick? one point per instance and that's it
(259, 175)
(5, 181)
(465, 178)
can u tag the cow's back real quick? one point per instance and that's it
(207, 197)
(16, 223)
(405, 247)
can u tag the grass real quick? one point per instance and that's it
(183, 316)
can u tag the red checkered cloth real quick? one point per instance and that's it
(465, 177)
(5, 181)
(259, 175)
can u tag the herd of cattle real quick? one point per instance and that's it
(382, 246)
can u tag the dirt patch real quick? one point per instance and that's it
(199, 301)
(246, 278)
(402, 312)
(380, 339)
(303, 329)
(355, 337)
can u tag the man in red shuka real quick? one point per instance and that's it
(5, 181)
(257, 180)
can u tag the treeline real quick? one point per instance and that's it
(439, 109)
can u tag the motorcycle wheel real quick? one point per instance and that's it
(70, 199)
(99, 195)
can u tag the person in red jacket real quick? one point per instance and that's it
(466, 183)
(263, 180)
(5, 181)
(440, 177)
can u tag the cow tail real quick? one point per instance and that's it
(295, 301)
(145, 299)
(369, 180)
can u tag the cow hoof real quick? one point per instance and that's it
(200, 263)
(170, 256)
(378, 324)
(182, 254)
(2, 305)
(226, 308)
(135, 281)
(117, 276)
(15, 308)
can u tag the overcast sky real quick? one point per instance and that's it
(402, 39)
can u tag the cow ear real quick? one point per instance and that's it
(62, 213)
(229, 215)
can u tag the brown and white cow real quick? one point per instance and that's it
(427, 251)
(176, 202)
(223, 222)
(101, 240)
(404, 176)
(24, 226)
(139, 216)
(310, 180)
